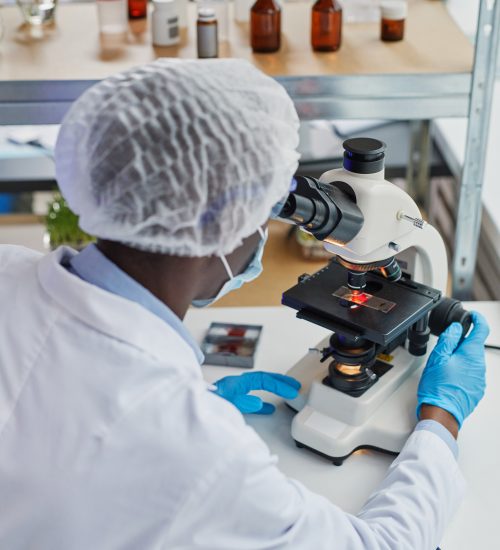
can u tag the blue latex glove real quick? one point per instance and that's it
(235, 389)
(454, 377)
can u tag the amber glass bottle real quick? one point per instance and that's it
(265, 26)
(326, 26)
(392, 27)
(137, 9)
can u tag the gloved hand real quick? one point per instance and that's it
(454, 377)
(236, 388)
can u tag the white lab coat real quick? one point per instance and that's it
(110, 440)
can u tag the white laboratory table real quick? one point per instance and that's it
(284, 340)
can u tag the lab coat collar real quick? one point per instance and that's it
(111, 314)
(93, 266)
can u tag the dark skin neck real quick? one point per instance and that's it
(175, 280)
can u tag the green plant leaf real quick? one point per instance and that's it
(62, 225)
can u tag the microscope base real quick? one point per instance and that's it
(335, 425)
(339, 460)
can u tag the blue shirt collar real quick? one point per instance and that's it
(95, 268)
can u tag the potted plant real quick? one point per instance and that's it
(62, 226)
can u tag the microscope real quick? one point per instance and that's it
(381, 296)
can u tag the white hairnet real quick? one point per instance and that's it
(178, 157)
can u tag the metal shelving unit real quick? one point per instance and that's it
(481, 95)
(417, 97)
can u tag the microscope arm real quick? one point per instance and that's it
(429, 251)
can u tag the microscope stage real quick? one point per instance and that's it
(397, 305)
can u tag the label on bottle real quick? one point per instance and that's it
(173, 31)
(165, 27)
(207, 41)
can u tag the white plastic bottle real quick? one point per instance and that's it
(165, 22)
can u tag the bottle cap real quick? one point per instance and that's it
(394, 9)
(164, 4)
(206, 14)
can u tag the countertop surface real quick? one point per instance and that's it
(284, 341)
(72, 48)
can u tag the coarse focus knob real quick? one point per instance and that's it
(446, 312)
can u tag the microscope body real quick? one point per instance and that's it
(386, 232)
(369, 224)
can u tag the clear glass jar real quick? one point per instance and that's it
(112, 16)
(38, 12)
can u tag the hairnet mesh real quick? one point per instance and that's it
(178, 157)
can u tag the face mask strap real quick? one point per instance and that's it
(236, 282)
(226, 265)
(223, 259)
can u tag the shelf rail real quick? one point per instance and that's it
(470, 205)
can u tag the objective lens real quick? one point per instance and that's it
(391, 271)
(356, 280)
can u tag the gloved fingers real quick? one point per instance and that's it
(480, 330)
(277, 385)
(248, 403)
(282, 385)
(287, 379)
(227, 386)
(448, 340)
(267, 408)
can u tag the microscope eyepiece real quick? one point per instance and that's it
(326, 210)
(304, 210)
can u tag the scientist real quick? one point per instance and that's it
(110, 438)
